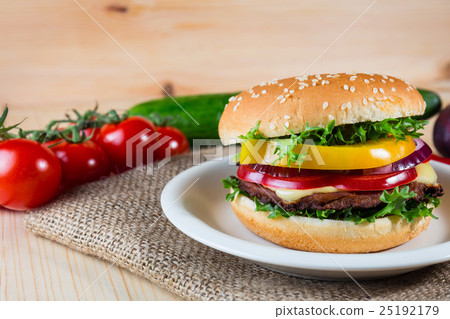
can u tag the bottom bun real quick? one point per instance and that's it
(330, 236)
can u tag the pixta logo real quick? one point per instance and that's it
(144, 148)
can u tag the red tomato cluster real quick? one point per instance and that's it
(31, 174)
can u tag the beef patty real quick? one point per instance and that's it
(337, 200)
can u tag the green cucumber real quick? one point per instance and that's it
(433, 104)
(205, 109)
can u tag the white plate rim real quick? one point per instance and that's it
(190, 225)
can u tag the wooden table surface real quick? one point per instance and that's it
(55, 56)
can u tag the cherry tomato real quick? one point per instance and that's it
(308, 179)
(172, 142)
(30, 174)
(138, 133)
(81, 162)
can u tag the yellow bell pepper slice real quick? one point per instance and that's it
(340, 157)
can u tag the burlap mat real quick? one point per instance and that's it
(120, 220)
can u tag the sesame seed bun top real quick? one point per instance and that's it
(290, 103)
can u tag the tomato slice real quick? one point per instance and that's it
(307, 179)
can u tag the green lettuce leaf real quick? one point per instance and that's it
(233, 184)
(253, 134)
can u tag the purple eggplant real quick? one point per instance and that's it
(441, 133)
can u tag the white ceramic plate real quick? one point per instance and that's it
(194, 201)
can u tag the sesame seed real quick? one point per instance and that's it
(349, 105)
(323, 82)
(287, 95)
(381, 90)
(263, 91)
(345, 87)
(329, 76)
(286, 124)
(281, 84)
(287, 117)
(365, 80)
(365, 101)
(371, 99)
(391, 80)
(408, 89)
(318, 76)
(353, 78)
(239, 98)
(283, 100)
(375, 90)
(331, 117)
(343, 106)
(272, 126)
(371, 79)
(235, 107)
(232, 99)
(314, 84)
(285, 90)
(325, 105)
(384, 76)
(302, 78)
(291, 91)
(301, 87)
(315, 80)
(352, 89)
(393, 89)
(279, 97)
(382, 80)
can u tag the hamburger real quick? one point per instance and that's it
(331, 162)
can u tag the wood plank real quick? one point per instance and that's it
(55, 57)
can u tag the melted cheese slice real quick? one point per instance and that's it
(292, 195)
(425, 174)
